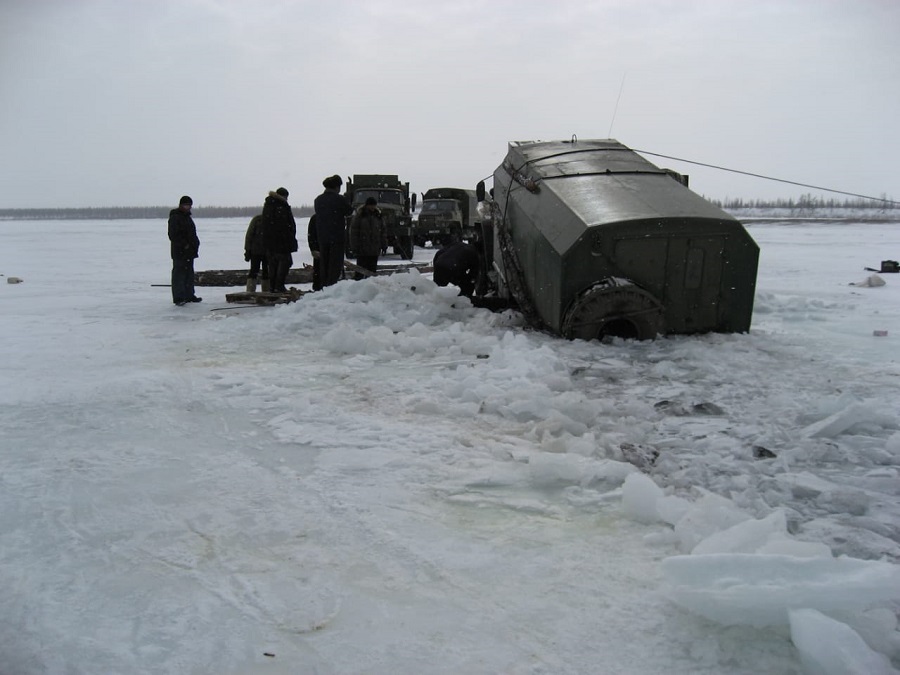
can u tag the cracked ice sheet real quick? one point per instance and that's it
(381, 477)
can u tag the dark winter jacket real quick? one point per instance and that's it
(253, 241)
(366, 232)
(312, 237)
(183, 235)
(278, 225)
(332, 209)
(457, 264)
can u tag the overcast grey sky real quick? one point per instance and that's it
(113, 103)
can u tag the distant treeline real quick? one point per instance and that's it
(133, 212)
(807, 202)
(804, 203)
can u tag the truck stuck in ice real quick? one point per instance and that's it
(589, 239)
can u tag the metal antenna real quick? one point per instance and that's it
(616, 109)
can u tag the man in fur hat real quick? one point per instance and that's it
(332, 209)
(280, 237)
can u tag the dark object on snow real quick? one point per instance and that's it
(640, 456)
(707, 408)
(592, 240)
(680, 409)
(759, 452)
(887, 267)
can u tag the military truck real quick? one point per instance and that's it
(444, 211)
(394, 202)
(591, 240)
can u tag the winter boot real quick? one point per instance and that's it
(251, 285)
(265, 286)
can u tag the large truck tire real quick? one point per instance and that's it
(614, 308)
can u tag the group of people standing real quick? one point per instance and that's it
(271, 239)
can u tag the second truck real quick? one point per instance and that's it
(393, 199)
(447, 211)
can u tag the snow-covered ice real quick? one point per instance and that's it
(381, 478)
(829, 647)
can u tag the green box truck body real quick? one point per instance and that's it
(590, 239)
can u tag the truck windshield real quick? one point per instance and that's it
(383, 196)
(439, 205)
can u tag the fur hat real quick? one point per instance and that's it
(333, 182)
(185, 200)
(282, 191)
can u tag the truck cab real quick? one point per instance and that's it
(438, 217)
(448, 211)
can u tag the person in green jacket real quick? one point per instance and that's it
(255, 254)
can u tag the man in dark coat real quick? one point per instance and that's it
(312, 239)
(332, 210)
(457, 263)
(279, 237)
(185, 246)
(367, 235)
(255, 254)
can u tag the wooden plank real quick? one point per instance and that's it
(301, 275)
(246, 298)
(353, 267)
(297, 275)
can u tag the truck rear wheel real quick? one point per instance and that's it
(614, 308)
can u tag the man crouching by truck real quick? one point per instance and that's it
(457, 263)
